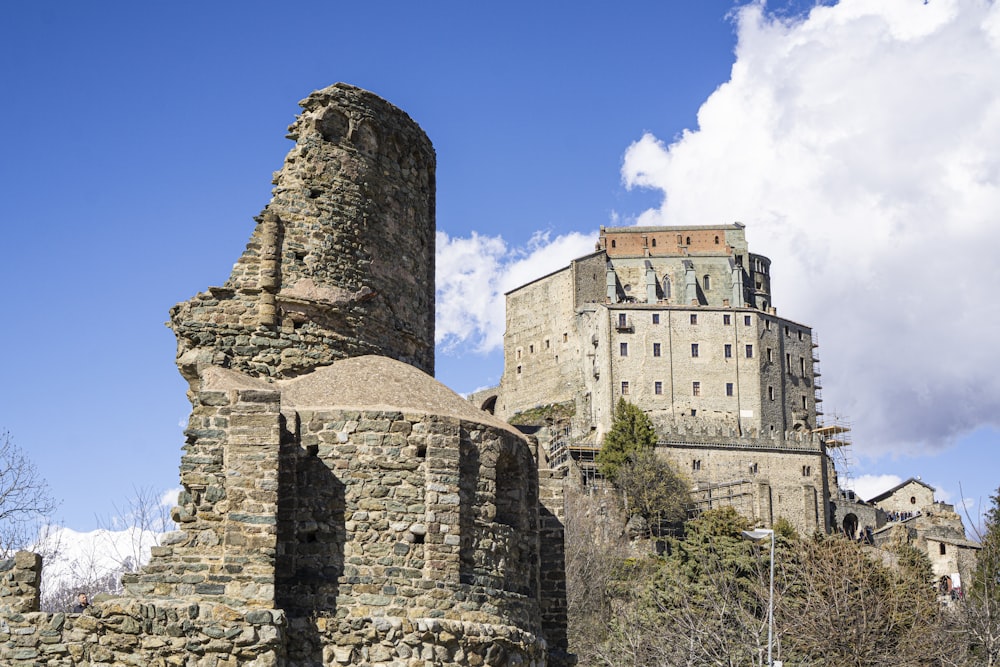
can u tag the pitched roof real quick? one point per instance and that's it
(886, 494)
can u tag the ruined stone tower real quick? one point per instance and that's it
(339, 506)
(341, 263)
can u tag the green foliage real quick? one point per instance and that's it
(554, 414)
(784, 529)
(631, 432)
(981, 612)
(654, 489)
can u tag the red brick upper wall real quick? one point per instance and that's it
(653, 241)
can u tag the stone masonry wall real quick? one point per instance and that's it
(341, 262)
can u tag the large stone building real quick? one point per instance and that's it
(680, 321)
(339, 505)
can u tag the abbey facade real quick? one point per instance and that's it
(680, 322)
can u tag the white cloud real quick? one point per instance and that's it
(473, 274)
(858, 144)
(169, 497)
(869, 486)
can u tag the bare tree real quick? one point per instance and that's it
(25, 501)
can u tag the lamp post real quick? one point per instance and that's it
(757, 535)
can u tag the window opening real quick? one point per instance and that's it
(694, 349)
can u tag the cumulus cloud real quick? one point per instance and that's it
(474, 273)
(858, 145)
(869, 486)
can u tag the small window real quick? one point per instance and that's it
(518, 370)
(547, 343)
(799, 332)
(622, 320)
(679, 239)
(767, 325)
(694, 318)
(517, 354)
(806, 471)
(687, 240)
(788, 362)
(612, 243)
(694, 412)
(565, 337)
(658, 388)
(716, 240)
(913, 500)
(770, 393)
(942, 549)
(656, 349)
(531, 349)
(654, 242)
(696, 465)
(802, 367)
(804, 404)
(749, 351)
(727, 350)
(623, 349)
(696, 389)
(729, 389)
(769, 359)
(625, 388)
(753, 468)
(727, 320)
(786, 331)
(706, 282)
(746, 320)
(656, 318)
(694, 349)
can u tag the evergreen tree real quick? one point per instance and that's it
(982, 605)
(631, 432)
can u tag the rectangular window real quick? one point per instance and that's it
(657, 388)
(656, 349)
(804, 406)
(621, 320)
(788, 362)
(806, 471)
(694, 318)
(728, 350)
(531, 349)
(727, 320)
(746, 320)
(696, 389)
(656, 318)
(753, 468)
(749, 351)
(518, 370)
(729, 389)
(787, 333)
(518, 353)
(696, 465)
(767, 325)
(802, 367)
(625, 388)
(770, 393)
(694, 349)
(769, 355)
(623, 348)
(546, 343)
(565, 337)
(799, 332)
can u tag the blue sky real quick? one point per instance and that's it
(139, 141)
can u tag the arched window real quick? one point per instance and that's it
(654, 243)
(666, 287)
(716, 240)
(706, 282)
(687, 241)
(612, 243)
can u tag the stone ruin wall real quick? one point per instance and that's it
(323, 534)
(341, 262)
